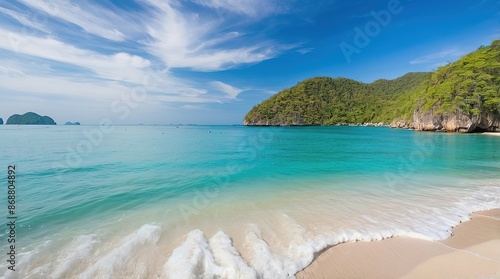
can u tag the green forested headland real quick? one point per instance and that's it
(469, 87)
(470, 84)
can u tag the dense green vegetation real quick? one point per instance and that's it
(470, 85)
(328, 101)
(30, 118)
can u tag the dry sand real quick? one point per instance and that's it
(472, 252)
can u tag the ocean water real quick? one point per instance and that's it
(229, 201)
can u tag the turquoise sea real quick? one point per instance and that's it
(229, 201)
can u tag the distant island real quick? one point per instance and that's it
(1, 121)
(30, 118)
(463, 96)
(72, 123)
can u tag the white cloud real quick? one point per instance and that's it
(188, 40)
(253, 8)
(305, 50)
(22, 76)
(442, 56)
(11, 72)
(47, 86)
(125, 59)
(230, 91)
(119, 66)
(178, 38)
(193, 107)
(91, 18)
(26, 20)
(54, 65)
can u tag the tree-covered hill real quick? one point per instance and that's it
(464, 95)
(329, 101)
(461, 96)
(30, 118)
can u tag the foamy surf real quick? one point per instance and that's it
(77, 251)
(271, 243)
(116, 259)
(267, 257)
(199, 257)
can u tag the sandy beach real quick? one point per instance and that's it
(492, 134)
(473, 251)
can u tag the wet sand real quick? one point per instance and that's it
(472, 252)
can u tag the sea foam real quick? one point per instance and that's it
(117, 257)
(274, 243)
(428, 220)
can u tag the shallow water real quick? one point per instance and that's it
(231, 201)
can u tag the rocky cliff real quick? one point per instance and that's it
(452, 122)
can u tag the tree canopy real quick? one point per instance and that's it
(471, 85)
(30, 118)
(329, 101)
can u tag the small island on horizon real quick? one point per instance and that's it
(72, 123)
(30, 118)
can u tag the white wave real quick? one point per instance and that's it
(77, 251)
(214, 258)
(275, 245)
(191, 259)
(267, 263)
(24, 259)
(227, 256)
(116, 259)
(289, 246)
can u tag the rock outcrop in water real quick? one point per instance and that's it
(72, 123)
(30, 118)
(463, 96)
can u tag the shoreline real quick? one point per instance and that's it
(473, 251)
(492, 133)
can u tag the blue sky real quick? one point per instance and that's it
(210, 61)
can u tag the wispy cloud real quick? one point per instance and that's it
(442, 56)
(254, 8)
(304, 50)
(25, 20)
(91, 18)
(94, 52)
(11, 72)
(176, 37)
(230, 91)
(193, 107)
(189, 40)
(119, 66)
(478, 4)
(36, 79)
